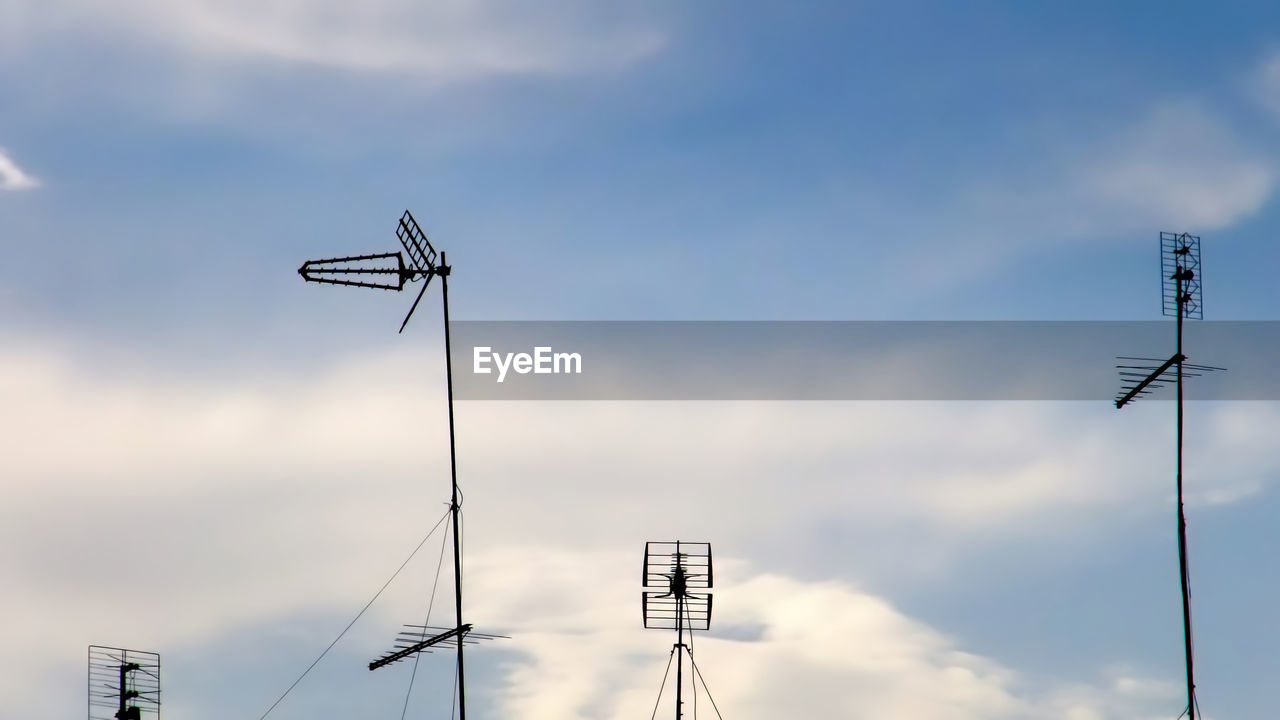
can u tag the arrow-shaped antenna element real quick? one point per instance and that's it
(417, 262)
(359, 271)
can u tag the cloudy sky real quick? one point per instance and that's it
(208, 458)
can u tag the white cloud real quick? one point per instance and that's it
(779, 647)
(1265, 82)
(439, 41)
(1179, 167)
(1176, 166)
(13, 177)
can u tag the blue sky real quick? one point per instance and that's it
(166, 166)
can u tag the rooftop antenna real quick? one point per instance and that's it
(392, 271)
(123, 684)
(422, 638)
(1180, 297)
(672, 575)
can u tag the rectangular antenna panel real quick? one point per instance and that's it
(421, 255)
(659, 604)
(1180, 251)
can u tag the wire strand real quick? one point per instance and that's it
(670, 656)
(704, 686)
(689, 622)
(353, 620)
(444, 537)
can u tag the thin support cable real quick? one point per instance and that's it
(670, 656)
(444, 537)
(688, 619)
(353, 620)
(704, 686)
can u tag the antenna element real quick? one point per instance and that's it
(677, 577)
(123, 684)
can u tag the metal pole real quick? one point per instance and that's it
(1182, 520)
(453, 504)
(124, 681)
(680, 654)
(678, 587)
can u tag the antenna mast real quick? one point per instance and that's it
(418, 262)
(672, 572)
(1181, 297)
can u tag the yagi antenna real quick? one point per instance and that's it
(677, 578)
(379, 271)
(416, 639)
(1181, 297)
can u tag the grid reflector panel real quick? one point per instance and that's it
(1180, 251)
(677, 577)
(659, 611)
(421, 255)
(660, 561)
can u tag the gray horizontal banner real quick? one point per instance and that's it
(856, 360)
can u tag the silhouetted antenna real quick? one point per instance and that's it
(392, 271)
(378, 271)
(424, 638)
(375, 270)
(1180, 297)
(1180, 275)
(1141, 375)
(123, 684)
(677, 577)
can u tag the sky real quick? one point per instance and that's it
(208, 458)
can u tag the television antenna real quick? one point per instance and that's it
(677, 578)
(123, 684)
(1181, 297)
(416, 639)
(393, 271)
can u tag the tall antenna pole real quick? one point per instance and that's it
(1182, 516)
(1181, 296)
(392, 271)
(678, 580)
(453, 503)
